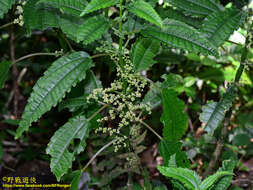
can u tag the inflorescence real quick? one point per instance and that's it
(123, 100)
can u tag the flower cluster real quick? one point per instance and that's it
(19, 11)
(123, 98)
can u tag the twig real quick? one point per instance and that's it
(6, 25)
(150, 128)
(97, 153)
(220, 144)
(14, 71)
(34, 54)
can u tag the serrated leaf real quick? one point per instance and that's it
(143, 52)
(196, 7)
(4, 69)
(39, 16)
(69, 25)
(92, 29)
(64, 73)
(95, 5)
(168, 148)
(74, 103)
(5, 5)
(173, 118)
(214, 112)
(218, 26)
(73, 7)
(180, 35)
(224, 182)
(208, 182)
(171, 13)
(58, 147)
(144, 10)
(188, 177)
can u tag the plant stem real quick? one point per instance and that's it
(32, 55)
(224, 132)
(97, 153)
(98, 55)
(151, 129)
(6, 25)
(121, 34)
(97, 112)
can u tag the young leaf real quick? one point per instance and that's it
(143, 52)
(144, 10)
(76, 179)
(92, 29)
(58, 147)
(39, 16)
(214, 112)
(180, 35)
(168, 148)
(52, 87)
(196, 7)
(5, 5)
(218, 26)
(4, 69)
(224, 182)
(208, 182)
(74, 7)
(188, 177)
(173, 118)
(95, 5)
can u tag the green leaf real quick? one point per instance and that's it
(73, 103)
(76, 179)
(5, 5)
(39, 16)
(143, 52)
(178, 15)
(224, 182)
(153, 97)
(144, 10)
(91, 83)
(58, 147)
(92, 29)
(180, 35)
(169, 148)
(173, 118)
(4, 69)
(64, 73)
(73, 7)
(188, 177)
(196, 7)
(95, 5)
(70, 24)
(208, 182)
(218, 26)
(214, 112)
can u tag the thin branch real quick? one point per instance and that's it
(151, 129)
(6, 25)
(98, 55)
(97, 153)
(153, 83)
(34, 54)
(97, 112)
